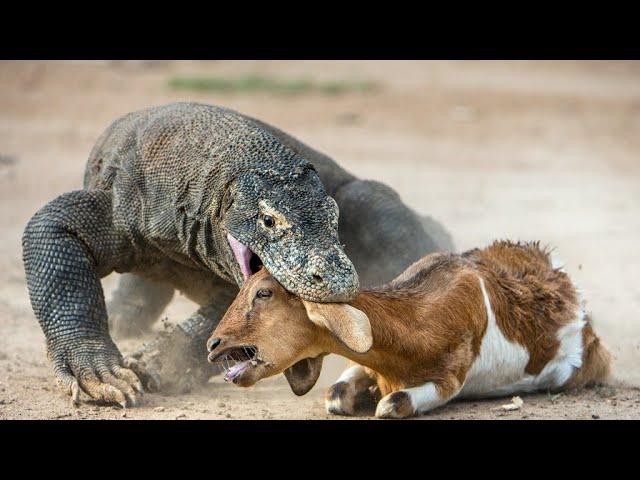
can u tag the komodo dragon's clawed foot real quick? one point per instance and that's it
(99, 370)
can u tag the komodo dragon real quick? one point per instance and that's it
(195, 198)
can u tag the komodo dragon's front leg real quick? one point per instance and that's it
(68, 246)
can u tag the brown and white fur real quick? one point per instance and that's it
(488, 322)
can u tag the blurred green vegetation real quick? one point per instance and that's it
(264, 83)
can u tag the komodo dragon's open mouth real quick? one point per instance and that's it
(249, 262)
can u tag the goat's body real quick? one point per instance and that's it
(486, 323)
(500, 367)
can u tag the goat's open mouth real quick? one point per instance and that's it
(237, 360)
(248, 261)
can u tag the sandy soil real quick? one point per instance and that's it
(520, 150)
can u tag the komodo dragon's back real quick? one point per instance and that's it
(152, 143)
(115, 145)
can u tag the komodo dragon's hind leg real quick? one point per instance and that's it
(178, 358)
(136, 304)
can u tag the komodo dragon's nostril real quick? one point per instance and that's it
(316, 278)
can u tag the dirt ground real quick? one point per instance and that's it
(519, 150)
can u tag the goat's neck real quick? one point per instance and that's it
(394, 330)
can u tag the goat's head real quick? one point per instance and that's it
(267, 330)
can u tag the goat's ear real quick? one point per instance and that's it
(347, 323)
(303, 375)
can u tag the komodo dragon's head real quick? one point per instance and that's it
(289, 224)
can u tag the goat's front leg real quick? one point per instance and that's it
(341, 396)
(414, 401)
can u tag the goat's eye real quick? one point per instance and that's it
(268, 221)
(264, 293)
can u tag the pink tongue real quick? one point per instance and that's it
(236, 370)
(242, 254)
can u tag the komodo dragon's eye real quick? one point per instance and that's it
(268, 221)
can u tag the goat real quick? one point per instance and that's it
(488, 322)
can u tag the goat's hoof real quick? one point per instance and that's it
(340, 399)
(395, 405)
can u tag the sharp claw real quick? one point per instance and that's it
(75, 394)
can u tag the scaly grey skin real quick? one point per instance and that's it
(194, 197)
